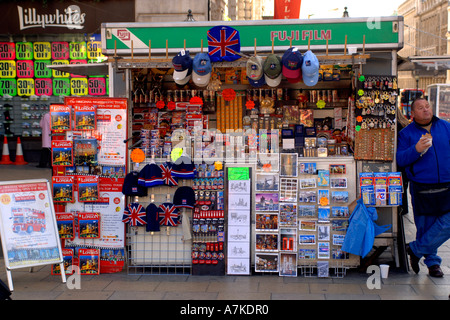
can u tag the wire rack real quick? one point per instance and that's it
(163, 252)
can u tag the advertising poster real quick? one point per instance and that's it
(111, 127)
(28, 224)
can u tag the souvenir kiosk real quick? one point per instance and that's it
(279, 153)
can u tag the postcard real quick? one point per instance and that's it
(266, 201)
(266, 241)
(288, 239)
(307, 211)
(339, 212)
(323, 250)
(288, 164)
(307, 254)
(338, 183)
(308, 183)
(288, 214)
(266, 222)
(307, 196)
(307, 225)
(288, 264)
(307, 239)
(267, 182)
(323, 178)
(266, 262)
(308, 168)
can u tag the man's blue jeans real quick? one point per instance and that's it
(432, 232)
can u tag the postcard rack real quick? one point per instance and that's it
(296, 229)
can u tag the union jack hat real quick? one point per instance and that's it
(167, 177)
(223, 44)
(168, 214)
(135, 215)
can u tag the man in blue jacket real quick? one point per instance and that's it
(424, 150)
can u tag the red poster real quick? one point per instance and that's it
(287, 9)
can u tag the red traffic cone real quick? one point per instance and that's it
(5, 155)
(20, 161)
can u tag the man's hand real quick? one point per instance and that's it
(423, 144)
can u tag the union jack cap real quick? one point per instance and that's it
(135, 215)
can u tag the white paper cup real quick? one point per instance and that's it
(384, 270)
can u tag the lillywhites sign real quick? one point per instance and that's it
(70, 18)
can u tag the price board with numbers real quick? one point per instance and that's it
(25, 87)
(79, 86)
(97, 86)
(60, 50)
(57, 73)
(7, 69)
(61, 87)
(25, 69)
(41, 70)
(8, 86)
(43, 87)
(24, 50)
(42, 50)
(77, 50)
(7, 50)
(94, 51)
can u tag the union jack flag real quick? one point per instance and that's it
(135, 215)
(166, 171)
(168, 215)
(223, 44)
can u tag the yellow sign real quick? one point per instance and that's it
(94, 50)
(42, 50)
(25, 87)
(7, 69)
(79, 86)
(57, 73)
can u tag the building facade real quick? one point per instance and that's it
(425, 35)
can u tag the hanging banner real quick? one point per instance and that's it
(287, 9)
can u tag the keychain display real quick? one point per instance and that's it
(208, 221)
(375, 113)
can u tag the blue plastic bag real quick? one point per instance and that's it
(362, 230)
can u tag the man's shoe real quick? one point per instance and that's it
(435, 271)
(413, 259)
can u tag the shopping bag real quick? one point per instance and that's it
(362, 230)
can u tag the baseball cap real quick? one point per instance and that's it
(292, 63)
(257, 83)
(184, 197)
(201, 69)
(310, 68)
(182, 64)
(272, 70)
(254, 68)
